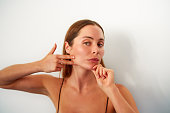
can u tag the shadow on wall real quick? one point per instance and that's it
(121, 55)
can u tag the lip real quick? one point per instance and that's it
(94, 60)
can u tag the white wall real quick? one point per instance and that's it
(137, 45)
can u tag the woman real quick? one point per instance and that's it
(86, 87)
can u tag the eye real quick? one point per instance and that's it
(100, 44)
(87, 43)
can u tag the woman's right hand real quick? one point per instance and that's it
(53, 63)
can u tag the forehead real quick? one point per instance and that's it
(91, 31)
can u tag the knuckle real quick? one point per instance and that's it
(57, 61)
(100, 65)
(67, 56)
(57, 56)
(111, 70)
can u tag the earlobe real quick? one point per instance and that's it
(67, 48)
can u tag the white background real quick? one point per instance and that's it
(137, 45)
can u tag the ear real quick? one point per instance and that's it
(67, 47)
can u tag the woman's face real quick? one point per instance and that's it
(88, 47)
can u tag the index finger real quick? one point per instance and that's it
(95, 67)
(65, 56)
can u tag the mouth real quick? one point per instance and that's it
(94, 60)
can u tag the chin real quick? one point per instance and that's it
(90, 67)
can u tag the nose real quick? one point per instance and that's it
(95, 50)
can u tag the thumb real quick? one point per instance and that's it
(53, 49)
(94, 71)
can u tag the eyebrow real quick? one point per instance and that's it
(92, 38)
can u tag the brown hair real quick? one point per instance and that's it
(73, 32)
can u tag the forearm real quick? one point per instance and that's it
(118, 101)
(14, 72)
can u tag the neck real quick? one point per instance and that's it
(81, 79)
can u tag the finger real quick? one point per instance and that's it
(66, 62)
(65, 56)
(104, 72)
(101, 71)
(97, 71)
(95, 67)
(95, 74)
(53, 49)
(109, 71)
(59, 65)
(58, 69)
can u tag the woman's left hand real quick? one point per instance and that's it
(104, 77)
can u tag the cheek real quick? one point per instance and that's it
(80, 52)
(80, 55)
(102, 53)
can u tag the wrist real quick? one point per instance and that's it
(38, 66)
(111, 89)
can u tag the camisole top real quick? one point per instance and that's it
(60, 94)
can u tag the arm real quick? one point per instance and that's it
(31, 83)
(120, 97)
(19, 76)
(14, 72)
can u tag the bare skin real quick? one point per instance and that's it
(89, 85)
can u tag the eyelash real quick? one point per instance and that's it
(86, 43)
(97, 44)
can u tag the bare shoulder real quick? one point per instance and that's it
(123, 90)
(50, 80)
(121, 87)
(52, 84)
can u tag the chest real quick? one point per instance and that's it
(71, 102)
(82, 103)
